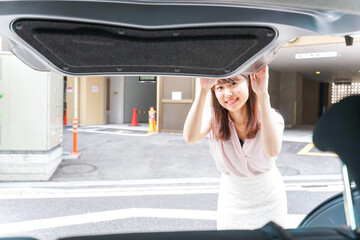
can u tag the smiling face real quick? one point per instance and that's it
(232, 93)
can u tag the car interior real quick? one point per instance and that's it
(212, 39)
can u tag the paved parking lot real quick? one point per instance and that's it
(118, 152)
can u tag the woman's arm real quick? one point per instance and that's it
(197, 126)
(271, 132)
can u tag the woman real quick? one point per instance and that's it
(245, 136)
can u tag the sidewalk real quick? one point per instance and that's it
(299, 134)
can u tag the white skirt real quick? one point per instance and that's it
(250, 203)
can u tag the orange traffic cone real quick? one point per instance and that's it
(134, 121)
(65, 118)
(153, 125)
(152, 120)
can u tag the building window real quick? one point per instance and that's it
(341, 90)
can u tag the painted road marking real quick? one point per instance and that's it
(292, 220)
(160, 181)
(124, 132)
(306, 151)
(148, 187)
(41, 193)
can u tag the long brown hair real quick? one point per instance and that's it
(220, 121)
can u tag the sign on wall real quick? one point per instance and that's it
(95, 89)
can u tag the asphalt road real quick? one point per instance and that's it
(54, 212)
(125, 184)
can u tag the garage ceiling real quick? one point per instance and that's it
(344, 67)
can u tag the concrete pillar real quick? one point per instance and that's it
(311, 101)
(274, 88)
(290, 98)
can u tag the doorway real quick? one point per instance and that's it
(127, 93)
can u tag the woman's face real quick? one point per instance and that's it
(232, 94)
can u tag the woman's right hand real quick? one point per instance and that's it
(207, 83)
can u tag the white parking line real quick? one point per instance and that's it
(32, 193)
(119, 132)
(313, 177)
(146, 187)
(164, 181)
(26, 193)
(18, 227)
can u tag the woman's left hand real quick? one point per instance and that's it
(259, 81)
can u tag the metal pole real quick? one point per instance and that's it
(348, 199)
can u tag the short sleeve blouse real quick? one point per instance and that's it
(242, 161)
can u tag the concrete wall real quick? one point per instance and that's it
(70, 99)
(299, 90)
(91, 100)
(174, 111)
(91, 108)
(297, 98)
(274, 89)
(116, 98)
(140, 96)
(310, 96)
(290, 98)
